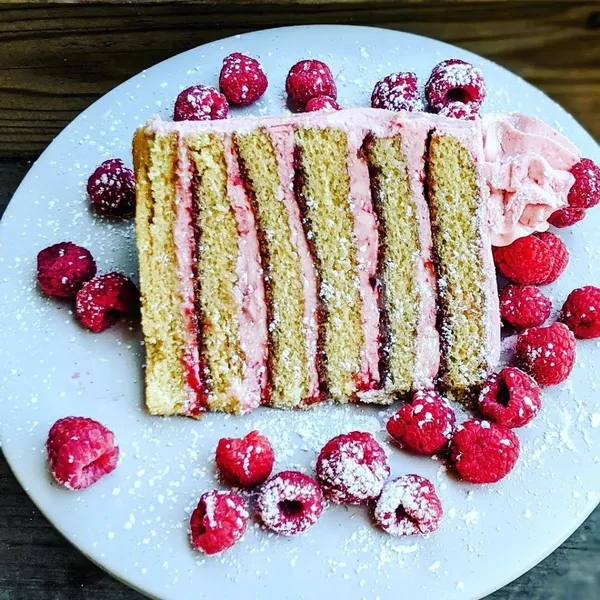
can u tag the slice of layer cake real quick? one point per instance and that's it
(468, 298)
(284, 260)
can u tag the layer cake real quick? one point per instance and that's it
(288, 260)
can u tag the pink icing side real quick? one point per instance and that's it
(527, 167)
(184, 244)
(283, 143)
(427, 345)
(366, 238)
(249, 291)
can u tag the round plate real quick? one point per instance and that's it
(134, 522)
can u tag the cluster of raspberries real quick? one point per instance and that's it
(454, 89)
(352, 468)
(480, 451)
(68, 271)
(546, 352)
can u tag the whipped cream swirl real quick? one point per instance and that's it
(527, 168)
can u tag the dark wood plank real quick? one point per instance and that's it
(56, 60)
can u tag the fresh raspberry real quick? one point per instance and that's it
(352, 468)
(101, 301)
(455, 81)
(425, 425)
(398, 91)
(510, 398)
(585, 192)
(524, 306)
(528, 260)
(321, 103)
(242, 79)
(246, 461)
(459, 110)
(218, 522)
(200, 103)
(566, 217)
(483, 452)
(80, 452)
(111, 188)
(559, 253)
(408, 505)
(63, 268)
(309, 79)
(547, 353)
(290, 502)
(581, 312)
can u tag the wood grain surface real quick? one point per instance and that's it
(55, 60)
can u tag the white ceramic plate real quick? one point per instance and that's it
(134, 522)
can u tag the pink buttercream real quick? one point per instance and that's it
(366, 238)
(249, 291)
(527, 167)
(427, 345)
(185, 244)
(283, 142)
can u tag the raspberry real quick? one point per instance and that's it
(200, 103)
(290, 502)
(218, 522)
(567, 216)
(483, 452)
(101, 301)
(80, 452)
(524, 306)
(455, 81)
(321, 103)
(581, 312)
(63, 268)
(408, 505)
(510, 398)
(558, 251)
(547, 353)
(459, 110)
(425, 426)
(585, 192)
(242, 79)
(398, 91)
(528, 260)
(352, 468)
(246, 461)
(309, 79)
(111, 188)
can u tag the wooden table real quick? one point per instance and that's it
(56, 59)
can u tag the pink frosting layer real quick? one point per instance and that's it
(185, 249)
(527, 167)
(283, 142)
(366, 238)
(427, 346)
(249, 291)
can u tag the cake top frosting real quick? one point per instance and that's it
(526, 162)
